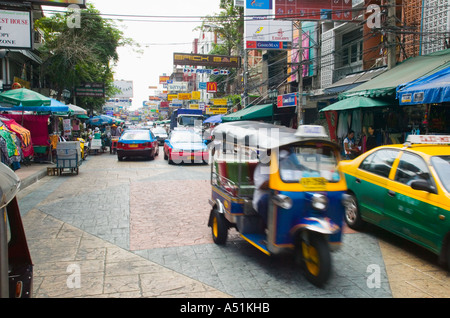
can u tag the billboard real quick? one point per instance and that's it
(15, 29)
(59, 3)
(206, 60)
(340, 10)
(261, 31)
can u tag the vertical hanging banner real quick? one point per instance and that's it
(262, 31)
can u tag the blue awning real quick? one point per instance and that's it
(434, 88)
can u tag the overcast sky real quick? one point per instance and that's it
(159, 39)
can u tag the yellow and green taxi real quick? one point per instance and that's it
(404, 189)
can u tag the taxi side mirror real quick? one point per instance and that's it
(423, 185)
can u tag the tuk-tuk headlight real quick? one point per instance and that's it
(283, 201)
(319, 202)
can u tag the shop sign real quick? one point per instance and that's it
(287, 100)
(15, 29)
(91, 90)
(220, 102)
(178, 86)
(211, 87)
(216, 71)
(164, 79)
(196, 95)
(184, 96)
(206, 60)
(171, 97)
(216, 111)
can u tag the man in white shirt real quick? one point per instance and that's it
(261, 194)
(350, 150)
(261, 180)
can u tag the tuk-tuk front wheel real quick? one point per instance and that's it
(219, 228)
(316, 258)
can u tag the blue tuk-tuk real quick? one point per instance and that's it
(306, 192)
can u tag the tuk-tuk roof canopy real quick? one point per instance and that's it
(265, 135)
(9, 185)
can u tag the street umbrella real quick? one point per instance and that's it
(54, 107)
(101, 120)
(213, 119)
(77, 110)
(24, 97)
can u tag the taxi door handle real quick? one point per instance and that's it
(391, 193)
(358, 180)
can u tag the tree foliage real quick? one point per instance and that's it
(80, 54)
(229, 28)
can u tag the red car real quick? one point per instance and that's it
(137, 143)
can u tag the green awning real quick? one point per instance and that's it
(251, 112)
(386, 83)
(357, 102)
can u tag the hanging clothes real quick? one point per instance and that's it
(342, 129)
(8, 147)
(357, 123)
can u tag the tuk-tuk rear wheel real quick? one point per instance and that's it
(316, 259)
(219, 228)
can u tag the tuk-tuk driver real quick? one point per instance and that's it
(261, 180)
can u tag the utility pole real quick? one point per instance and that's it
(391, 41)
(245, 95)
(300, 74)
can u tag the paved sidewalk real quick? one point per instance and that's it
(72, 263)
(69, 262)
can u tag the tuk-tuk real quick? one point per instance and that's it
(307, 194)
(16, 268)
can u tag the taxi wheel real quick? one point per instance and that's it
(448, 256)
(219, 228)
(352, 214)
(316, 258)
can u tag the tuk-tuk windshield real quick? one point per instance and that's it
(299, 162)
